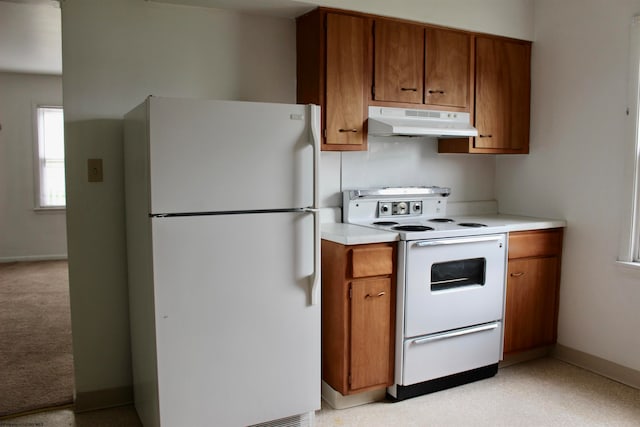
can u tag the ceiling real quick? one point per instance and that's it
(30, 36)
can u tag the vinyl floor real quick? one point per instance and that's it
(543, 392)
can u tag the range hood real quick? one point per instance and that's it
(385, 121)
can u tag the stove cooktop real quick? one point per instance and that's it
(413, 212)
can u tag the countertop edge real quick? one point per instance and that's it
(351, 234)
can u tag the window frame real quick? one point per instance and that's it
(37, 165)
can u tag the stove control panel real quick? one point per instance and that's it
(404, 208)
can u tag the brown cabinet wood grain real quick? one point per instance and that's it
(333, 63)
(502, 99)
(358, 306)
(399, 62)
(503, 79)
(448, 70)
(370, 304)
(348, 61)
(416, 64)
(533, 280)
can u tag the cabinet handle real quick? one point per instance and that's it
(348, 130)
(486, 136)
(411, 89)
(440, 91)
(518, 274)
(371, 296)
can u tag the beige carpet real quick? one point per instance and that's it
(36, 365)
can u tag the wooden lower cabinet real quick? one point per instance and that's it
(358, 312)
(533, 279)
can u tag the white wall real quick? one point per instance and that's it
(398, 161)
(27, 234)
(117, 52)
(574, 171)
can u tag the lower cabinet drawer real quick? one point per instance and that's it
(438, 355)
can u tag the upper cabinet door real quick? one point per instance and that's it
(347, 61)
(399, 62)
(447, 68)
(503, 79)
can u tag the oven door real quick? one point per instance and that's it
(453, 283)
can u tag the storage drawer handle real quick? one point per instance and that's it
(486, 136)
(348, 130)
(371, 296)
(441, 92)
(518, 274)
(410, 89)
(458, 333)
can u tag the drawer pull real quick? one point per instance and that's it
(486, 136)
(372, 296)
(410, 89)
(518, 274)
(457, 333)
(348, 130)
(441, 92)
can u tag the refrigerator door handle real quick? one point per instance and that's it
(314, 111)
(314, 279)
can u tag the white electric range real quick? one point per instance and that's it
(450, 286)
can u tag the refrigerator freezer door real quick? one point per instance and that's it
(212, 156)
(238, 340)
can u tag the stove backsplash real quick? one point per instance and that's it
(406, 161)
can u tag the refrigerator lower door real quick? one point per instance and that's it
(238, 342)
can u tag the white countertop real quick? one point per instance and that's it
(350, 234)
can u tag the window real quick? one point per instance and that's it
(50, 187)
(630, 234)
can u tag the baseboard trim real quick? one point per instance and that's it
(339, 401)
(611, 370)
(34, 258)
(525, 356)
(103, 399)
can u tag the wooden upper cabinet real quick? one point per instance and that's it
(447, 68)
(346, 80)
(503, 79)
(399, 62)
(333, 64)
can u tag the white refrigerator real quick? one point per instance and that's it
(223, 258)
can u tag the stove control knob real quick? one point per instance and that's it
(384, 209)
(401, 208)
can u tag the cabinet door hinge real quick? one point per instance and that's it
(373, 91)
(349, 380)
(350, 292)
(324, 132)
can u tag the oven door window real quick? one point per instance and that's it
(458, 274)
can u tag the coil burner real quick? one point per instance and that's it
(410, 227)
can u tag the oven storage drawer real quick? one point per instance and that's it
(438, 355)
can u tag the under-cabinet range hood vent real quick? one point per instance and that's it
(385, 121)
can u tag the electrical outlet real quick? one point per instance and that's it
(94, 170)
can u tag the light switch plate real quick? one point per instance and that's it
(94, 170)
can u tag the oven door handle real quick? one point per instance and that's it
(455, 241)
(452, 334)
